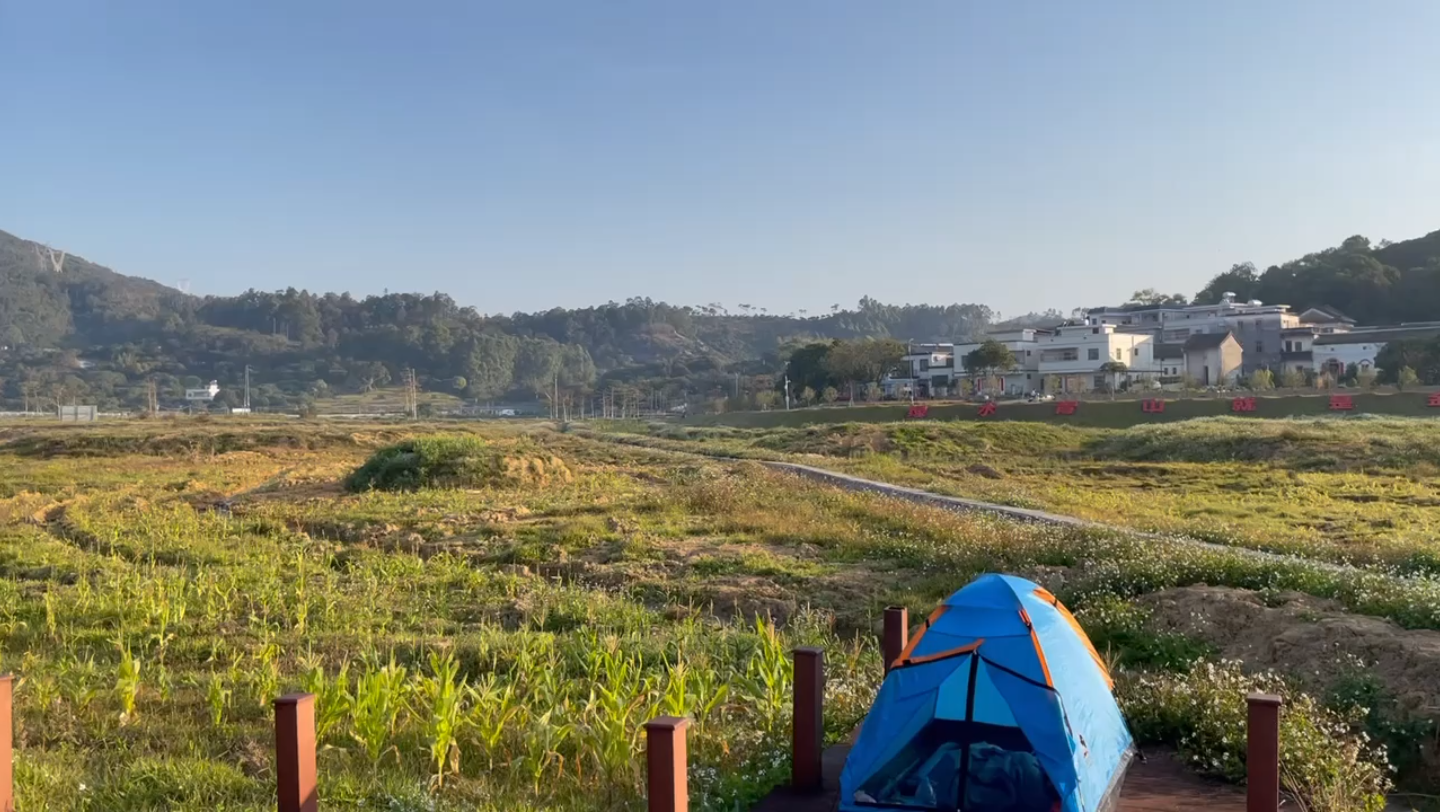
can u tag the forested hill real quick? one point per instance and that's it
(91, 334)
(39, 307)
(88, 334)
(1387, 283)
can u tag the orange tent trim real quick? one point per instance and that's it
(1044, 595)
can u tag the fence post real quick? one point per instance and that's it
(295, 753)
(667, 778)
(7, 743)
(1262, 753)
(897, 634)
(809, 721)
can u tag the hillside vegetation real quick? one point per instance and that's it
(92, 335)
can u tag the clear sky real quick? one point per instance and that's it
(784, 153)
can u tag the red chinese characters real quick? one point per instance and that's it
(1435, 399)
(1341, 403)
(1242, 405)
(988, 409)
(1066, 406)
(1152, 406)
(918, 412)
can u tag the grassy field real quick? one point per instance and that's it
(493, 634)
(1094, 411)
(1345, 490)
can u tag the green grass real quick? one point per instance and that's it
(499, 646)
(1093, 412)
(1337, 489)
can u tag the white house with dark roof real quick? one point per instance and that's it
(1333, 353)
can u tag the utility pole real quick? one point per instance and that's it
(247, 387)
(787, 392)
(412, 395)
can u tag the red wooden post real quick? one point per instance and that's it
(1262, 754)
(809, 724)
(7, 743)
(667, 779)
(897, 634)
(295, 753)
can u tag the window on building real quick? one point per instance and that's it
(1137, 352)
(1095, 330)
(1094, 354)
(1259, 346)
(924, 364)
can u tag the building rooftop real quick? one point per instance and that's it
(1205, 341)
(1371, 335)
(1165, 352)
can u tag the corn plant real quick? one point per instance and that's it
(768, 676)
(217, 697)
(543, 741)
(444, 693)
(380, 695)
(127, 682)
(492, 706)
(333, 699)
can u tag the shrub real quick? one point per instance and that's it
(452, 462)
(1323, 759)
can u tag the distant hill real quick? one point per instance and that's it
(84, 301)
(1374, 284)
(89, 333)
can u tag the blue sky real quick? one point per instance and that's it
(791, 155)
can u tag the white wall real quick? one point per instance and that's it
(1361, 355)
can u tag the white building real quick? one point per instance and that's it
(1024, 344)
(1075, 353)
(1255, 325)
(1334, 353)
(931, 372)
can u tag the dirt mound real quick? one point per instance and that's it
(1307, 638)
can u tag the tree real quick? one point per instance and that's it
(1151, 296)
(865, 360)
(1262, 380)
(1115, 369)
(807, 396)
(807, 366)
(459, 383)
(488, 362)
(1406, 378)
(830, 394)
(1292, 379)
(1365, 378)
(1241, 280)
(989, 358)
(873, 392)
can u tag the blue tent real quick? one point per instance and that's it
(1000, 687)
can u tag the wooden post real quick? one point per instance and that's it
(667, 779)
(1262, 753)
(7, 743)
(897, 634)
(295, 753)
(809, 724)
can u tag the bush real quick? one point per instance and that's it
(1323, 759)
(452, 462)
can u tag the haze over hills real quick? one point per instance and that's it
(90, 334)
